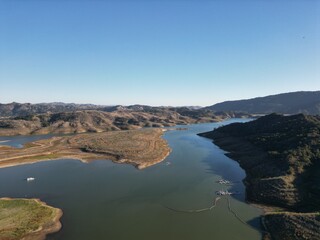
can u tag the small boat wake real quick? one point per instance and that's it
(30, 179)
(226, 182)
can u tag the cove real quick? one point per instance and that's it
(104, 200)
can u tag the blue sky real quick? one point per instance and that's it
(157, 52)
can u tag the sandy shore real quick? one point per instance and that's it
(141, 148)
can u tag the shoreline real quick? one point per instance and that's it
(151, 149)
(42, 232)
(143, 165)
(274, 214)
(264, 208)
(233, 148)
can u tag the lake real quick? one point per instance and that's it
(104, 200)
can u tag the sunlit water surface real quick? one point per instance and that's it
(104, 200)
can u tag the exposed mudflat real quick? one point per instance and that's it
(141, 148)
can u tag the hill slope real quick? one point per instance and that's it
(100, 121)
(286, 103)
(281, 157)
(23, 109)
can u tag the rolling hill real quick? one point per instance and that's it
(100, 121)
(285, 103)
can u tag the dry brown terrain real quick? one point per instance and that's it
(141, 148)
(101, 121)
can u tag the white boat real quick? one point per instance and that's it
(223, 193)
(222, 181)
(220, 193)
(29, 179)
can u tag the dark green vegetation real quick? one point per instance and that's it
(281, 155)
(286, 103)
(27, 219)
(288, 226)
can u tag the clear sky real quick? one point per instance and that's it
(157, 52)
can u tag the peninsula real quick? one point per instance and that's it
(28, 219)
(280, 155)
(141, 148)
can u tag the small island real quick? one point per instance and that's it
(28, 219)
(280, 155)
(141, 148)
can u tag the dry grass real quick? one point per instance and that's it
(27, 219)
(142, 148)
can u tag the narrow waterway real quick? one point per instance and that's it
(103, 200)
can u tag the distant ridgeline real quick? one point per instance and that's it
(281, 156)
(286, 103)
(26, 109)
(100, 121)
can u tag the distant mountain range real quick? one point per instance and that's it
(285, 103)
(42, 118)
(24, 109)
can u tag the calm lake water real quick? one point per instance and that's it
(18, 141)
(103, 200)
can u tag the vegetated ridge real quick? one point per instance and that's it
(117, 118)
(281, 156)
(307, 102)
